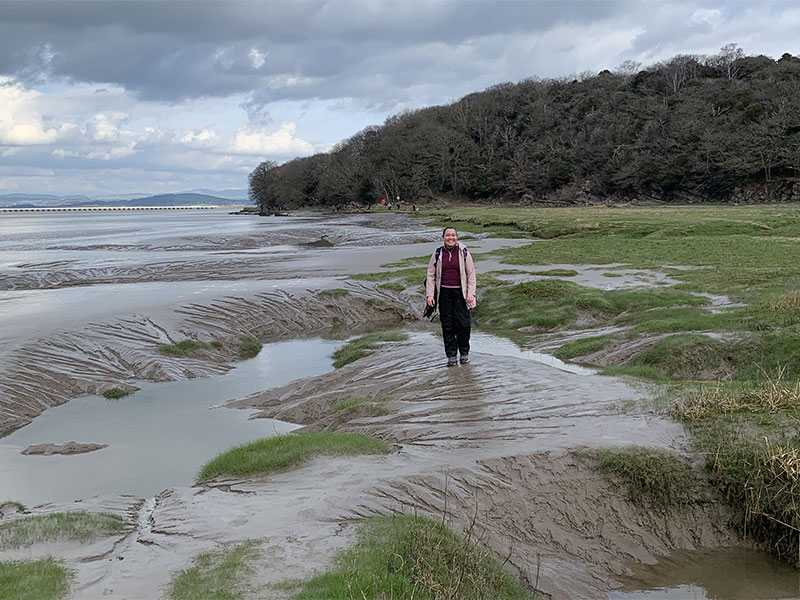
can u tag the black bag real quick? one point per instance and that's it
(430, 311)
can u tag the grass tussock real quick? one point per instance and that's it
(771, 397)
(653, 478)
(761, 480)
(249, 347)
(43, 579)
(284, 452)
(359, 347)
(333, 293)
(392, 286)
(65, 526)
(583, 346)
(406, 277)
(402, 557)
(789, 301)
(216, 575)
(181, 349)
(115, 393)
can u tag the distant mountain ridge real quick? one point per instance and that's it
(193, 197)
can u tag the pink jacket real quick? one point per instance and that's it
(466, 267)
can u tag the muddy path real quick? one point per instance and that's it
(484, 445)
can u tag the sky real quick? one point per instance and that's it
(109, 97)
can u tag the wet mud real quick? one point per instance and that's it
(485, 445)
(69, 448)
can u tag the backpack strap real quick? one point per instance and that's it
(438, 252)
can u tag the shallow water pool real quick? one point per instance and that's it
(157, 437)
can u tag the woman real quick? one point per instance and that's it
(451, 280)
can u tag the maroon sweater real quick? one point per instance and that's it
(451, 277)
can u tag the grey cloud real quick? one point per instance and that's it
(166, 50)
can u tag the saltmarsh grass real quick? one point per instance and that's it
(407, 277)
(652, 477)
(359, 347)
(67, 526)
(43, 579)
(333, 293)
(249, 347)
(115, 393)
(583, 346)
(182, 348)
(551, 303)
(220, 574)
(283, 452)
(400, 557)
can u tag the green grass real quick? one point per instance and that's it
(182, 348)
(584, 346)
(551, 303)
(115, 393)
(333, 293)
(557, 273)
(652, 477)
(43, 579)
(284, 452)
(392, 286)
(249, 347)
(65, 526)
(401, 556)
(220, 574)
(406, 277)
(359, 347)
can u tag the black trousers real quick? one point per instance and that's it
(454, 316)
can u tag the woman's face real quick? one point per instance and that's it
(450, 238)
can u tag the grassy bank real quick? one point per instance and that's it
(220, 574)
(286, 451)
(401, 556)
(44, 579)
(744, 419)
(360, 347)
(67, 526)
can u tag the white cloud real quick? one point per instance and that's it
(21, 123)
(257, 59)
(279, 143)
(203, 138)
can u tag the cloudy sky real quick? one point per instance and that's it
(111, 97)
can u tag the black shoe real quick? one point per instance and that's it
(452, 361)
(464, 359)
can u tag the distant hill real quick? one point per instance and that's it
(230, 197)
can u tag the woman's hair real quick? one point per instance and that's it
(448, 227)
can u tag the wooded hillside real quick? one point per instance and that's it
(694, 128)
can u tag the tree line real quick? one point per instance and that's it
(692, 127)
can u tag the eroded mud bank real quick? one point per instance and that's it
(47, 372)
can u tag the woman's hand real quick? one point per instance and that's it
(430, 300)
(470, 300)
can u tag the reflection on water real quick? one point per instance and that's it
(158, 437)
(722, 574)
